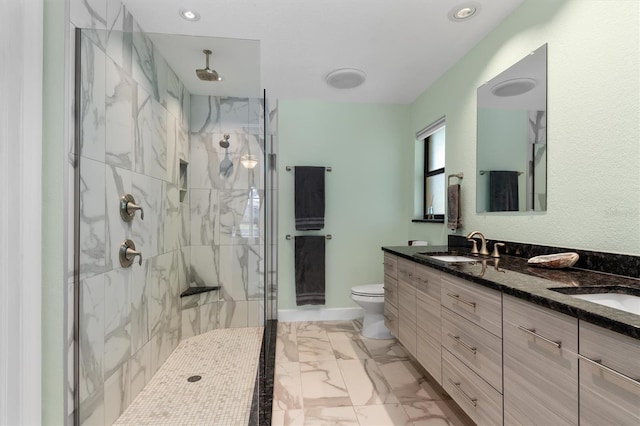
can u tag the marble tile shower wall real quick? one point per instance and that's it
(227, 218)
(134, 132)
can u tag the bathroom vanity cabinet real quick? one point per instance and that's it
(505, 360)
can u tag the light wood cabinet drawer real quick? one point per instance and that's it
(391, 290)
(406, 270)
(407, 300)
(478, 349)
(478, 304)
(609, 373)
(390, 266)
(391, 319)
(542, 322)
(475, 396)
(428, 330)
(540, 366)
(427, 280)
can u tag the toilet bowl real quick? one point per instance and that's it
(371, 298)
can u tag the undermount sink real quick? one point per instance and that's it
(617, 300)
(453, 258)
(624, 302)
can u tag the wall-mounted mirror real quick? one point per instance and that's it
(512, 138)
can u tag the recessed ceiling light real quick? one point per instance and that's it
(464, 11)
(345, 78)
(189, 15)
(514, 87)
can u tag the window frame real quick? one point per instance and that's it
(438, 218)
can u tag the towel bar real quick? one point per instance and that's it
(289, 168)
(487, 171)
(456, 175)
(328, 237)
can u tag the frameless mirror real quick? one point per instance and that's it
(512, 138)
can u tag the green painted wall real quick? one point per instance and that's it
(366, 193)
(53, 208)
(593, 176)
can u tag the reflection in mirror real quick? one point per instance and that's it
(512, 138)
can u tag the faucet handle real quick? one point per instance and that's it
(128, 208)
(474, 249)
(496, 253)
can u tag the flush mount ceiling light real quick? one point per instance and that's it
(189, 15)
(249, 161)
(513, 87)
(464, 12)
(345, 78)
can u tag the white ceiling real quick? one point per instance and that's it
(402, 45)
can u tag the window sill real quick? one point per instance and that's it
(428, 220)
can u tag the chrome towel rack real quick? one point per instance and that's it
(290, 168)
(327, 237)
(487, 171)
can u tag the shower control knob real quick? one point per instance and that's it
(128, 254)
(128, 208)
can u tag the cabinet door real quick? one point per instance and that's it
(609, 373)
(540, 365)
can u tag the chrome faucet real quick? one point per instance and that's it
(483, 249)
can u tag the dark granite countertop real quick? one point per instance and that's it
(513, 276)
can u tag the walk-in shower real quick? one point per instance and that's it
(205, 252)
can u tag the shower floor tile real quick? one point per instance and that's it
(227, 361)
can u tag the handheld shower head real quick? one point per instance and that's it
(207, 74)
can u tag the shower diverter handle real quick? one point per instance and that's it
(128, 208)
(128, 254)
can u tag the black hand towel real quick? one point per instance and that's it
(309, 198)
(309, 252)
(503, 191)
(454, 221)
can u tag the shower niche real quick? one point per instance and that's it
(183, 180)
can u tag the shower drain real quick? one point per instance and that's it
(194, 379)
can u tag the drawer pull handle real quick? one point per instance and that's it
(461, 300)
(473, 401)
(532, 331)
(610, 370)
(463, 344)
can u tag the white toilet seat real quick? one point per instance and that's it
(368, 290)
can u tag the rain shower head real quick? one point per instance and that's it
(207, 74)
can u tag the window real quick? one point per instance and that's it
(433, 182)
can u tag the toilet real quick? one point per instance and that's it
(371, 298)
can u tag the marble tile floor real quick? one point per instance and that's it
(328, 374)
(227, 361)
